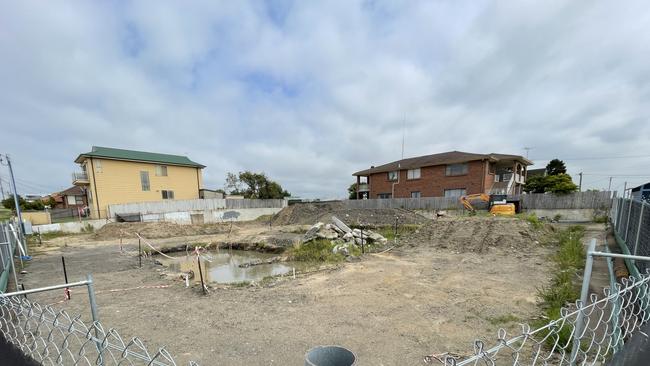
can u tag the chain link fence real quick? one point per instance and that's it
(631, 221)
(54, 337)
(583, 335)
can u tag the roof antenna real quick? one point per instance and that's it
(527, 150)
(403, 133)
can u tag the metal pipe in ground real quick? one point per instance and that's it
(330, 356)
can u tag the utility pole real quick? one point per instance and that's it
(16, 201)
(610, 184)
(580, 184)
(2, 191)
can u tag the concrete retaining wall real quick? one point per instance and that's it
(183, 218)
(211, 216)
(70, 227)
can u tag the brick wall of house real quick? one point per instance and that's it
(433, 181)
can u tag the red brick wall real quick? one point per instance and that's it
(433, 181)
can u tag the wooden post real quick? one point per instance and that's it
(198, 260)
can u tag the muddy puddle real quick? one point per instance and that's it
(224, 266)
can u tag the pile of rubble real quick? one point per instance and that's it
(342, 236)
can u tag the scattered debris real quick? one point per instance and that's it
(343, 236)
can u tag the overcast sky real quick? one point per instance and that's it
(310, 92)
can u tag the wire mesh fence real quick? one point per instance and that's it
(631, 221)
(584, 334)
(54, 337)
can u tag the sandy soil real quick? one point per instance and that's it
(391, 309)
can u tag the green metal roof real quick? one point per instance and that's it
(132, 155)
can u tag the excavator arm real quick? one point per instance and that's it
(467, 200)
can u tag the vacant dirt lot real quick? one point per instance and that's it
(452, 281)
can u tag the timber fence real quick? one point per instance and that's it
(577, 200)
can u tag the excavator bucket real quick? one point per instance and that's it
(507, 209)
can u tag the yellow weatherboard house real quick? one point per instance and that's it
(112, 176)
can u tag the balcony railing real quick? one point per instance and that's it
(364, 187)
(79, 177)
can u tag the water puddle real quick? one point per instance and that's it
(223, 266)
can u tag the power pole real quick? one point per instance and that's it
(580, 184)
(16, 201)
(2, 191)
(610, 184)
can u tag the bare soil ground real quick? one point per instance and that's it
(311, 213)
(451, 282)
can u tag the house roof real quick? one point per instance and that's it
(73, 191)
(132, 155)
(450, 157)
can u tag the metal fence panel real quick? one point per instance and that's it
(54, 337)
(609, 322)
(632, 225)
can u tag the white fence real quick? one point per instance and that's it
(578, 200)
(212, 204)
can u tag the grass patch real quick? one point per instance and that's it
(264, 218)
(240, 284)
(315, 251)
(534, 221)
(388, 232)
(564, 288)
(503, 319)
(5, 214)
(47, 236)
(600, 219)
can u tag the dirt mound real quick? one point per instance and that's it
(311, 213)
(475, 234)
(156, 230)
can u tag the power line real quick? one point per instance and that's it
(618, 175)
(598, 158)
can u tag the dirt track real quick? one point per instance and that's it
(390, 309)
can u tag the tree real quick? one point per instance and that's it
(24, 205)
(560, 184)
(536, 184)
(352, 191)
(555, 167)
(254, 185)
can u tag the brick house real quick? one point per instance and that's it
(449, 174)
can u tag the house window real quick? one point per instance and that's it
(415, 194)
(167, 195)
(449, 193)
(144, 181)
(413, 174)
(161, 170)
(456, 169)
(70, 200)
(98, 166)
(79, 200)
(393, 175)
(384, 195)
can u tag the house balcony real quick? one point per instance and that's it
(80, 179)
(364, 187)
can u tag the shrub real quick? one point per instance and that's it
(315, 251)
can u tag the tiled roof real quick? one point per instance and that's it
(451, 157)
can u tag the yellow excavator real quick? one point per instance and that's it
(496, 207)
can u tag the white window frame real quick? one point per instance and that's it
(453, 170)
(145, 182)
(393, 176)
(98, 166)
(384, 196)
(416, 194)
(161, 170)
(71, 200)
(413, 173)
(450, 193)
(168, 193)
